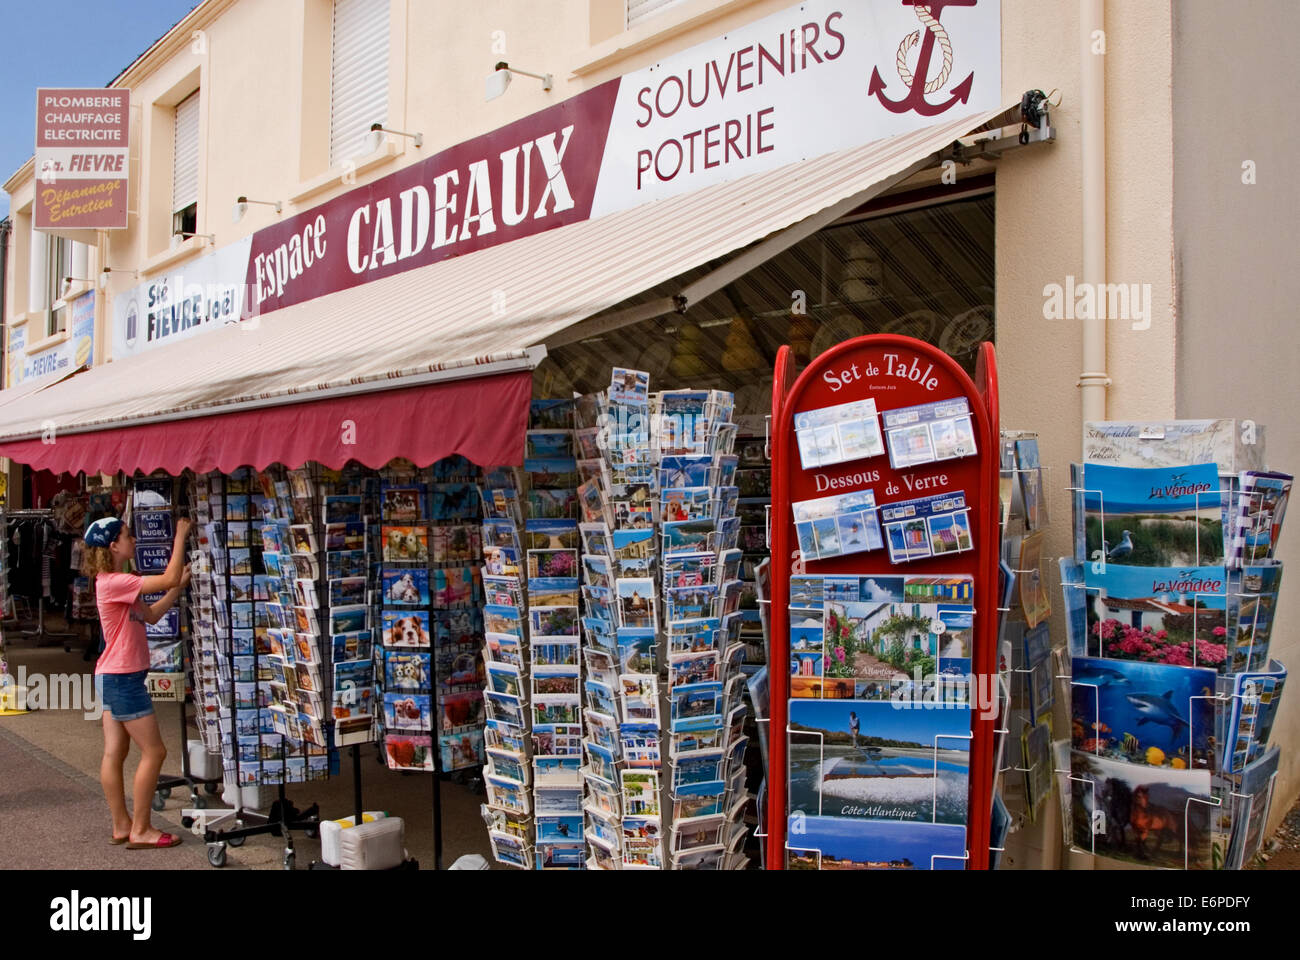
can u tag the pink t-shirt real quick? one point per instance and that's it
(122, 616)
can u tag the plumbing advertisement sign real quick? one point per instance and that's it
(82, 158)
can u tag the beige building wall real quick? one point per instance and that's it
(1235, 246)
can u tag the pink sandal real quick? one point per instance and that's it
(166, 840)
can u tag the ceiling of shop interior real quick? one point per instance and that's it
(936, 267)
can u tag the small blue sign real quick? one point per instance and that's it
(152, 557)
(153, 525)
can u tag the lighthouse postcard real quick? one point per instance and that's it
(1154, 517)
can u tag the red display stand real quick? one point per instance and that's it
(896, 372)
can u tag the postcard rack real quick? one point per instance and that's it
(1151, 607)
(911, 381)
(1025, 679)
(244, 722)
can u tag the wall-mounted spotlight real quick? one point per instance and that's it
(241, 207)
(499, 80)
(375, 137)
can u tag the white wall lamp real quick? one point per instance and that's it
(499, 80)
(103, 276)
(375, 137)
(241, 207)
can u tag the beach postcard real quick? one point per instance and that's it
(869, 759)
(1153, 517)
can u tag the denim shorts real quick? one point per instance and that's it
(124, 695)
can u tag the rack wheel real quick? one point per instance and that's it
(217, 854)
(289, 860)
(237, 841)
(166, 792)
(313, 833)
(210, 789)
(187, 822)
(158, 801)
(200, 801)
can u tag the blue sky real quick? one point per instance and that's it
(68, 43)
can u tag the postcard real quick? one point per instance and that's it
(693, 668)
(504, 648)
(640, 793)
(406, 628)
(505, 708)
(1262, 501)
(410, 753)
(1171, 443)
(636, 602)
(406, 711)
(640, 694)
(1151, 714)
(868, 759)
(453, 501)
(629, 387)
(838, 525)
(1034, 598)
(454, 586)
(552, 563)
(1249, 721)
(552, 473)
(1037, 661)
(405, 544)
(559, 680)
(461, 750)
(1148, 613)
(1036, 761)
(1173, 806)
(403, 586)
(1153, 517)
(407, 671)
(403, 504)
(838, 434)
(1251, 815)
(832, 843)
(689, 536)
(927, 526)
(933, 431)
(698, 766)
(696, 706)
(636, 650)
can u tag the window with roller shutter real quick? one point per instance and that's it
(358, 74)
(185, 166)
(639, 11)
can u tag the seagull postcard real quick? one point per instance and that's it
(1157, 517)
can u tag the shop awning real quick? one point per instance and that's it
(458, 333)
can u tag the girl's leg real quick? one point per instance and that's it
(144, 731)
(116, 746)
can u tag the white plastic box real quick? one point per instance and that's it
(203, 765)
(330, 830)
(380, 845)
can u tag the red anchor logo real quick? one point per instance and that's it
(928, 13)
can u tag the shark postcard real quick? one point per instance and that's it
(1148, 713)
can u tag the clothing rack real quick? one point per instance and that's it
(45, 518)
